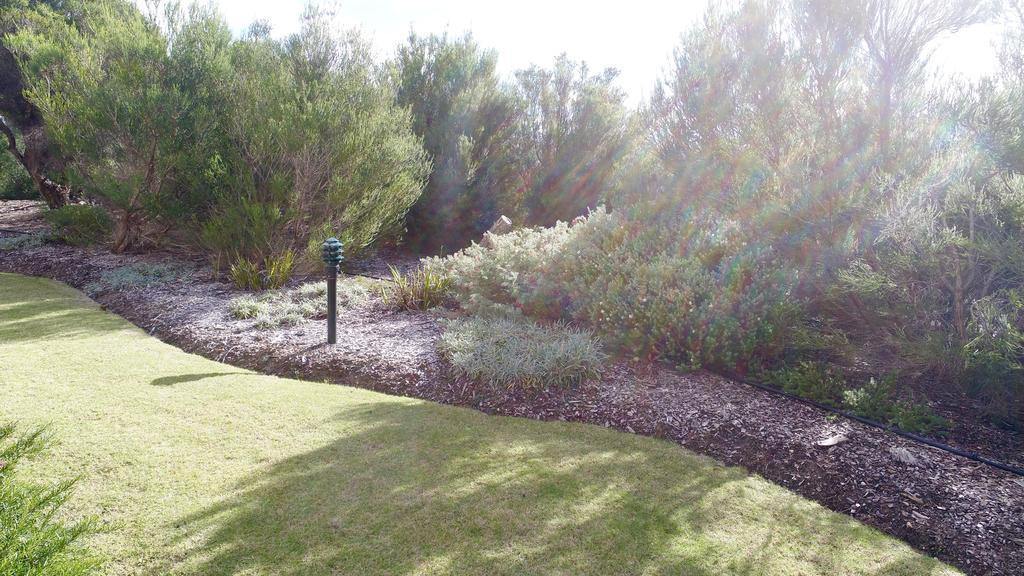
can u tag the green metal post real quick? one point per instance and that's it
(331, 254)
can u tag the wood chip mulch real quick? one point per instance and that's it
(960, 511)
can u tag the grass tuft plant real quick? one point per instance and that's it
(513, 351)
(290, 307)
(421, 289)
(274, 273)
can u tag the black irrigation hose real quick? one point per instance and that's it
(909, 435)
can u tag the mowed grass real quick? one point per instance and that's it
(197, 467)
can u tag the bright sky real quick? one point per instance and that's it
(637, 36)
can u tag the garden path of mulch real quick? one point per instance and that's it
(960, 511)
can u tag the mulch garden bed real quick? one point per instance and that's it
(961, 511)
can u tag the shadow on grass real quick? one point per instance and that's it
(414, 488)
(184, 378)
(26, 316)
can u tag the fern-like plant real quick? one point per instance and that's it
(33, 542)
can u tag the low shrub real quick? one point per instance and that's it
(816, 381)
(500, 270)
(23, 241)
(15, 183)
(876, 401)
(274, 273)
(992, 357)
(80, 224)
(290, 307)
(918, 418)
(243, 231)
(873, 400)
(684, 291)
(248, 307)
(421, 289)
(33, 539)
(132, 276)
(515, 351)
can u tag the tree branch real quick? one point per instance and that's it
(12, 141)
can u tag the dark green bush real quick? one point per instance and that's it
(992, 358)
(33, 542)
(80, 224)
(816, 381)
(873, 400)
(15, 183)
(876, 401)
(918, 418)
(243, 230)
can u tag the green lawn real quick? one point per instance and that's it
(202, 468)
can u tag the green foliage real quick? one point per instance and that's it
(290, 307)
(246, 275)
(515, 351)
(918, 418)
(992, 357)
(34, 541)
(789, 187)
(873, 400)
(571, 131)
(114, 102)
(544, 147)
(243, 230)
(15, 183)
(23, 241)
(458, 108)
(420, 289)
(674, 291)
(816, 381)
(939, 298)
(273, 272)
(319, 137)
(80, 224)
(278, 270)
(876, 401)
(175, 126)
(132, 276)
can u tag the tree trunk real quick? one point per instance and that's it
(885, 125)
(17, 111)
(124, 232)
(33, 159)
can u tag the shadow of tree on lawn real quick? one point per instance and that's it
(407, 489)
(29, 317)
(185, 378)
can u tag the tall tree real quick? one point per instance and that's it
(451, 87)
(899, 37)
(572, 130)
(18, 115)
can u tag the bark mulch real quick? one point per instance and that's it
(963, 512)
